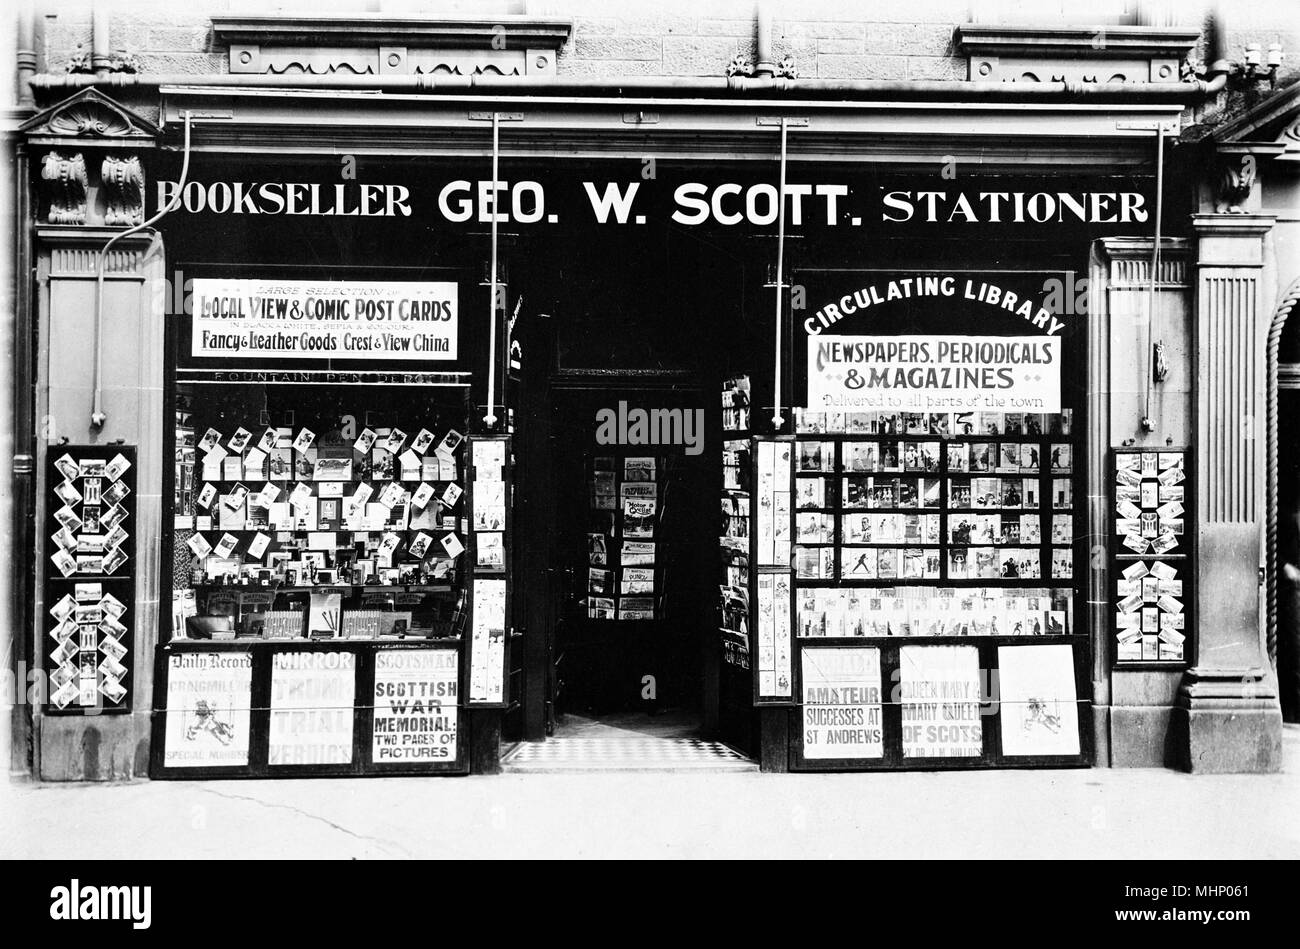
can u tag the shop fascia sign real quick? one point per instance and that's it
(687, 204)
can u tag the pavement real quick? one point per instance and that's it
(1095, 813)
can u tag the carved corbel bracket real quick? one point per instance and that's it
(122, 178)
(65, 183)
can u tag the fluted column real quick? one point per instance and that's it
(1227, 716)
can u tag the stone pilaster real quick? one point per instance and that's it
(1227, 716)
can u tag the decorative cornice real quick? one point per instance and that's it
(1101, 54)
(475, 33)
(90, 117)
(1098, 41)
(376, 46)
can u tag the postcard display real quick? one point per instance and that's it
(89, 578)
(1151, 564)
(934, 561)
(624, 580)
(318, 630)
(490, 521)
(733, 538)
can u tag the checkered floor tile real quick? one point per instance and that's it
(631, 753)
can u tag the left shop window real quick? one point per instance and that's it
(317, 511)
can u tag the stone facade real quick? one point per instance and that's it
(893, 39)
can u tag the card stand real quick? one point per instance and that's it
(1151, 577)
(488, 598)
(772, 590)
(88, 563)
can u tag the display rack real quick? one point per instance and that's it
(89, 590)
(1151, 571)
(625, 542)
(490, 543)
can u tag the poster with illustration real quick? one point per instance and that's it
(209, 696)
(1039, 711)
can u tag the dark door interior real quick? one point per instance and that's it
(609, 665)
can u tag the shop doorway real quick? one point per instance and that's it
(631, 535)
(631, 475)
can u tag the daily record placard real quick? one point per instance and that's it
(308, 319)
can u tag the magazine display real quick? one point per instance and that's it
(622, 575)
(938, 524)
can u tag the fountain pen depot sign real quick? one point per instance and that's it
(308, 319)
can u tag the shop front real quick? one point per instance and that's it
(425, 473)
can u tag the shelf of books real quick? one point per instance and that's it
(733, 540)
(936, 552)
(319, 593)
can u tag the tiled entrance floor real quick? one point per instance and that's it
(634, 742)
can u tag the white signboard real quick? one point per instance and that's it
(1039, 712)
(416, 691)
(934, 373)
(312, 698)
(940, 690)
(841, 703)
(488, 642)
(309, 319)
(209, 695)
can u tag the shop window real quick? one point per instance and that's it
(317, 511)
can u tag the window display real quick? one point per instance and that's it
(934, 524)
(303, 513)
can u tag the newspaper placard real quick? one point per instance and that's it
(416, 695)
(312, 698)
(940, 690)
(1039, 712)
(841, 703)
(209, 696)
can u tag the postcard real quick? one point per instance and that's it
(117, 467)
(452, 545)
(67, 493)
(239, 441)
(423, 439)
(420, 497)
